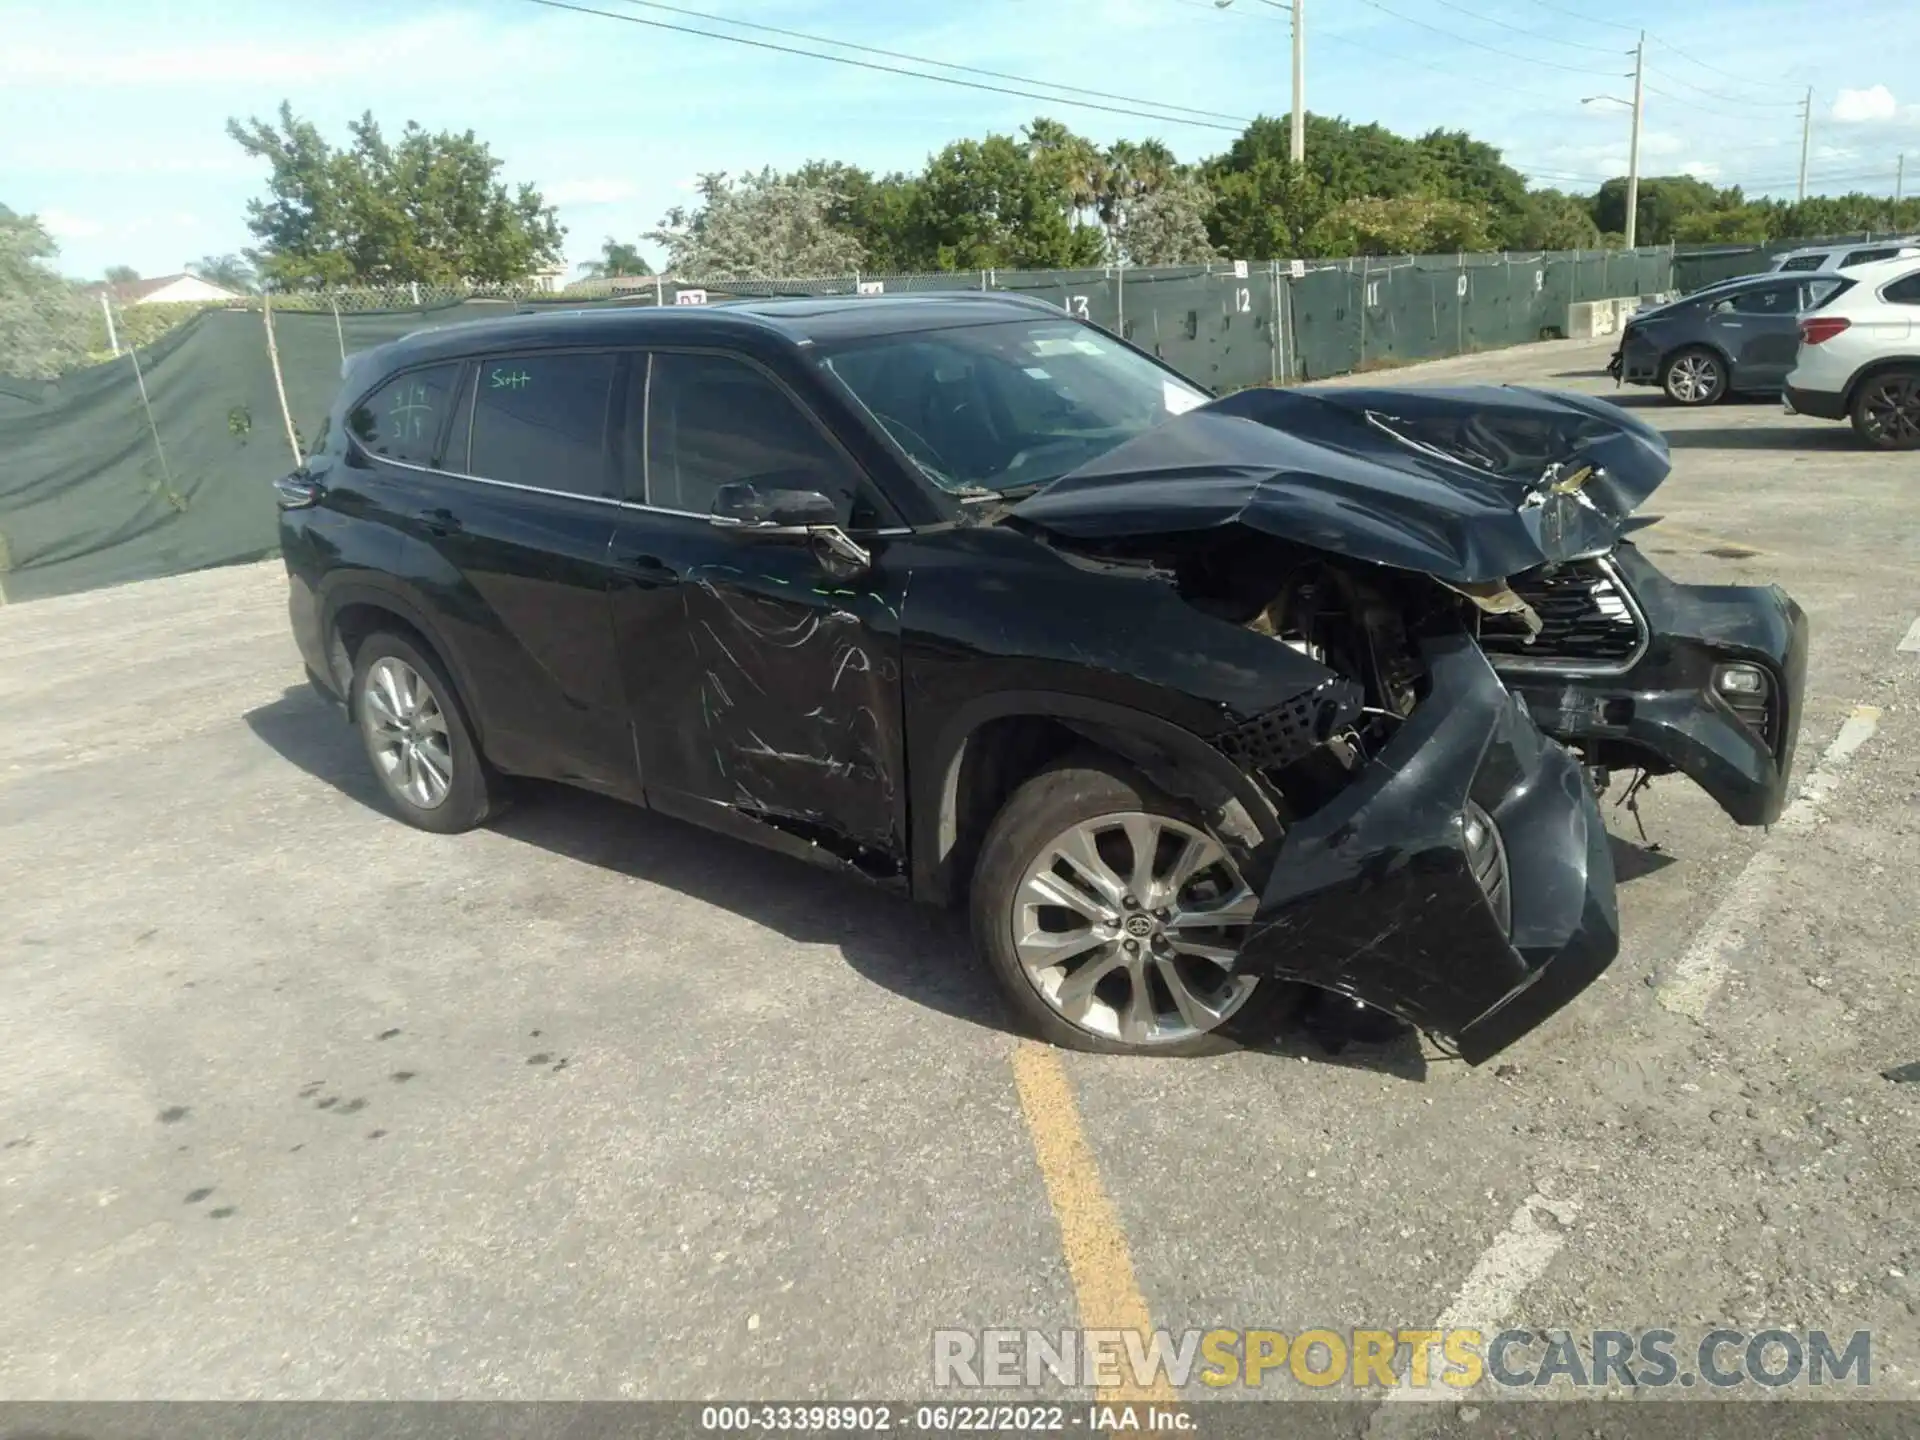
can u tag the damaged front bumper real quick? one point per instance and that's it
(1376, 895)
(1676, 707)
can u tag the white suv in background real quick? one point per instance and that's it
(1844, 257)
(1859, 355)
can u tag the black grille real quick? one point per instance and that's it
(1489, 861)
(1585, 618)
(1286, 733)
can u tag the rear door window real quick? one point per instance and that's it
(402, 420)
(1802, 262)
(541, 420)
(1768, 300)
(1865, 257)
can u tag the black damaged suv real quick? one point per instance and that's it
(1200, 705)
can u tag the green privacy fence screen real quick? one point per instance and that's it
(100, 485)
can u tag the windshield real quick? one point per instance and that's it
(1008, 406)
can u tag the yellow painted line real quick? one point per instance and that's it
(1091, 1237)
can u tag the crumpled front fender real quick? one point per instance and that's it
(1374, 896)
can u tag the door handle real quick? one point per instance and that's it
(647, 569)
(440, 521)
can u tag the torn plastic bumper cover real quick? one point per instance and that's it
(1374, 895)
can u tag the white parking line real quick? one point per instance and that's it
(1518, 1256)
(1911, 644)
(1693, 978)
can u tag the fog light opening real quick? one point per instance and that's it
(1741, 680)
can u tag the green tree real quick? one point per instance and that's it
(986, 204)
(43, 318)
(1550, 220)
(1664, 200)
(1265, 212)
(230, 272)
(877, 211)
(1746, 224)
(425, 207)
(762, 225)
(121, 274)
(1472, 172)
(1400, 225)
(616, 259)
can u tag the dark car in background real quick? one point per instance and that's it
(1736, 337)
(1199, 707)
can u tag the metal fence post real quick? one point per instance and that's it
(1363, 311)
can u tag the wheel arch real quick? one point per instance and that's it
(991, 745)
(1875, 367)
(353, 610)
(1713, 347)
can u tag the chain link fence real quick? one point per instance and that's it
(141, 440)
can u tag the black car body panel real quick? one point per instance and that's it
(1373, 897)
(1455, 483)
(1666, 712)
(858, 715)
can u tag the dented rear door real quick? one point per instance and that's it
(755, 680)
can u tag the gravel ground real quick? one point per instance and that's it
(299, 1103)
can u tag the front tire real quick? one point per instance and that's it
(1694, 376)
(417, 738)
(1886, 412)
(1111, 915)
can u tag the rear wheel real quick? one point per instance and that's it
(1694, 376)
(417, 738)
(1886, 411)
(1113, 917)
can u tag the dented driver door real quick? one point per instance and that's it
(758, 681)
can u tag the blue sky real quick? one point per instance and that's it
(112, 112)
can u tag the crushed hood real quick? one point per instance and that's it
(1464, 483)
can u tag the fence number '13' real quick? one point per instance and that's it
(1076, 306)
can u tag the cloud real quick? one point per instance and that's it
(595, 190)
(63, 225)
(1865, 107)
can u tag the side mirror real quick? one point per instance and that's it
(800, 514)
(745, 504)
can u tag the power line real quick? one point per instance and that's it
(925, 60)
(1479, 44)
(1669, 45)
(1372, 49)
(1695, 105)
(1730, 99)
(1657, 39)
(896, 70)
(1530, 34)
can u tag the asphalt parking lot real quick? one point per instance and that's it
(297, 1102)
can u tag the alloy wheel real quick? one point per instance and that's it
(1890, 414)
(1128, 926)
(1693, 378)
(406, 732)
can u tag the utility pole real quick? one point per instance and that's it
(1633, 146)
(1298, 149)
(1806, 134)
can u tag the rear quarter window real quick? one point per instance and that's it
(1867, 257)
(1904, 291)
(1801, 262)
(402, 419)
